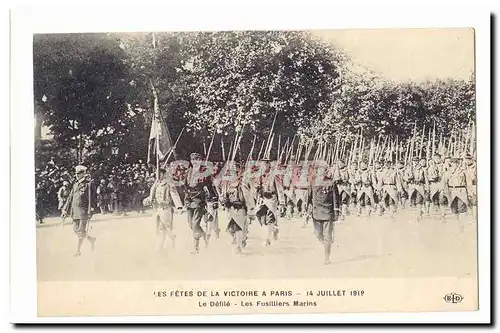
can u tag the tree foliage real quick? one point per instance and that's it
(97, 89)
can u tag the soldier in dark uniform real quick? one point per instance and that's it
(455, 185)
(343, 179)
(196, 199)
(391, 186)
(364, 181)
(238, 201)
(325, 201)
(78, 206)
(471, 174)
(270, 199)
(435, 175)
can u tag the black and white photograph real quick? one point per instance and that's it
(239, 171)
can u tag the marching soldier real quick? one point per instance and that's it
(471, 184)
(196, 200)
(325, 202)
(390, 185)
(403, 195)
(435, 175)
(62, 194)
(78, 207)
(102, 196)
(419, 186)
(377, 180)
(212, 213)
(455, 185)
(238, 201)
(270, 199)
(341, 177)
(364, 182)
(164, 198)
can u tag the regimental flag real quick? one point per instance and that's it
(160, 141)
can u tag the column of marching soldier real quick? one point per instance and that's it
(361, 188)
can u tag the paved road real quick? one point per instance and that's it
(380, 247)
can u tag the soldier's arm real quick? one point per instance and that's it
(59, 194)
(247, 197)
(280, 191)
(68, 203)
(176, 198)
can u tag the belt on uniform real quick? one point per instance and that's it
(389, 184)
(457, 186)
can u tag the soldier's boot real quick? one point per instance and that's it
(381, 209)
(442, 210)
(428, 208)
(368, 211)
(244, 241)
(91, 241)
(328, 250)
(359, 210)
(79, 247)
(161, 244)
(206, 238)
(270, 232)
(276, 231)
(344, 211)
(158, 228)
(196, 246)
(420, 212)
(239, 241)
(394, 210)
(289, 212)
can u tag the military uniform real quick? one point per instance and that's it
(270, 197)
(390, 184)
(238, 201)
(62, 195)
(343, 181)
(164, 198)
(455, 184)
(325, 202)
(377, 180)
(363, 180)
(78, 207)
(196, 202)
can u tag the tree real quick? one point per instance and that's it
(80, 81)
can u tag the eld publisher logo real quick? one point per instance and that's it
(453, 298)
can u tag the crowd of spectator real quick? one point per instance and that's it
(118, 186)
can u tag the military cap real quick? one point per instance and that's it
(468, 156)
(80, 169)
(266, 159)
(195, 156)
(162, 170)
(437, 155)
(65, 182)
(415, 158)
(455, 160)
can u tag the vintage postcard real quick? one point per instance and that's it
(255, 171)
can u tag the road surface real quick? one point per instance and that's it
(381, 247)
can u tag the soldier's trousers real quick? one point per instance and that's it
(266, 216)
(324, 230)
(80, 228)
(195, 217)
